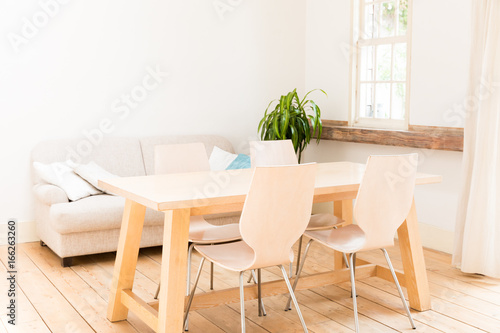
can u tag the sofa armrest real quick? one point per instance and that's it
(50, 194)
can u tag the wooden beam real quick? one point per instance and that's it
(140, 308)
(232, 295)
(126, 258)
(385, 273)
(173, 270)
(426, 137)
(412, 256)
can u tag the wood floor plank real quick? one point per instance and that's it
(144, 287)
(100, 280)
(461, 302)
(60, 316)
(455, 291)
(85, 299)
(384, 315)
(449, 309)
(27, 319)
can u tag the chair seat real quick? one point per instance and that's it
(348, 239)
(237, 256)
(202, 232)
(323, 221)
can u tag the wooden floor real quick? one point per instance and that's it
(55, 299)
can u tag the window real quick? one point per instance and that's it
(381, 63)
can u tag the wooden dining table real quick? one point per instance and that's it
(183, 195)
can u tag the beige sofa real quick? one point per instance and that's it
(92, 224)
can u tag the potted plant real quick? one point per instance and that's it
(289, 120)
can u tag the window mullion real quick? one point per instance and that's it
(393, 46)
(374, 92)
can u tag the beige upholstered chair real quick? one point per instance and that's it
(383, 202)
(192, 157)
(269, 226)
(281, 152)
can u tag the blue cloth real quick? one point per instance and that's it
(242, 161)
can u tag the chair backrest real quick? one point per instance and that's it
(385, 197)
(178, 158)
(272, 152)
(276, 211)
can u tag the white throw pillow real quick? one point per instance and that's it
(60, 174)
(223, 160)
(92, 173)
(220, 159)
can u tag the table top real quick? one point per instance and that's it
(197, 189)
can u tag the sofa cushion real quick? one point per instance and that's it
(50, 194)
(120, 156)
(99, 212)
(63, 176)
(224, 160)
(148, 145)
(92, 173)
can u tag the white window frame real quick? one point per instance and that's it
(357, 41)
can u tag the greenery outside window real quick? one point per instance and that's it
(380, 65)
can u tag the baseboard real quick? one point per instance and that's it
(26, 232)
(436, 238)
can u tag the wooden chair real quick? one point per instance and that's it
(269, 226)
(192, 157)
(281, 152)
(384, 199)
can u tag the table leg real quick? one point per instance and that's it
(126, 258)
(173, 271)
(413, 262)
(342, 209)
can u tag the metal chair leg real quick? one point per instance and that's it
(188, 278)
(262, 309)
(292, 296)
(157, 290)
(190, 301)
(190, 255)
(298, 255)
(287, 306)
(251, 277)
(353, 293)
(242, 303)
(211, 276)
(353, 268)
(399, 288)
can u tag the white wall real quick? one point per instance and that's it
(440, 58)
(66, 77)
(224, 68)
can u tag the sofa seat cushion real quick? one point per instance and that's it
(98, 212)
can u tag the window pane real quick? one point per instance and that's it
(399, 71)
(398, 100)
(366, 66)
(383, 100)
(387, 20)
(402, 17)
(366, 100)
(384, 62)
(372, 12)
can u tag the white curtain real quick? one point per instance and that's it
(477, 242)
